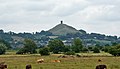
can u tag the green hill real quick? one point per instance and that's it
(62, 29)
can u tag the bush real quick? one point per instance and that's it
(70, 53)
(44, 51)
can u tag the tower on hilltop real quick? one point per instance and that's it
(61, 22)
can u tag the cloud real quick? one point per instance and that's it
(91, 15)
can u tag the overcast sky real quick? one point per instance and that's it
(98, 16)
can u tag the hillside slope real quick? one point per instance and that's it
(62, 29)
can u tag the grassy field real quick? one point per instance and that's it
(20, 61)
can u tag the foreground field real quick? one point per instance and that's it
(19, 62)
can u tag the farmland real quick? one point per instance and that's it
(88, 62)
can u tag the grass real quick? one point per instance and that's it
(20, 61)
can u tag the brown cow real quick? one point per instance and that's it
(28, 66)
(99, 60)
(40, 60)
(101, 67)
(2, 66)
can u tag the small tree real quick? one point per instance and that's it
(2, 48)
(44, 51)
(56, 46)
(6, 44)
(77, 45)
(96, 50)
(29, 47)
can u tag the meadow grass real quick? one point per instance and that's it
(20, 61)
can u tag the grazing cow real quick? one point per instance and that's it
(78, 55)
(40, 60)
(28, 66)
(64, 56)
(101, 67)
(3, 66)
(99, 60)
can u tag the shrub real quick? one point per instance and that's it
(96, 50)
(44, 51)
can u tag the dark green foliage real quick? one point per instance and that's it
(84, 49)
(106, 48)
(6, 43)
(47, 33)
(96, 50)
(21, 51)
(56, 46)
(82, 31)
(114, 44)
(44, 51)
(70, 53)
(29, 47)
(66, 49)
(115, 50)
(90, 48)
(77, 45)
(2, 48)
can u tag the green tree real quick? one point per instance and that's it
(77, 45)
(106, 48)
(2, 48)
(6, 44)
(44, 51)
(115, 50)
(96, 50)
(29, 46)
(56, 46)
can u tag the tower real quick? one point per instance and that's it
(61, 22)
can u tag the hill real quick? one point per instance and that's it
(62, 29)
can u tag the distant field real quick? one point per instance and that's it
(19, 62)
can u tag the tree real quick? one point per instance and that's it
(115, 50)
(56, 46)
(96, 50)
(77, 45)
(6, 43)
(2, 48)
(44, 51)
(29, 47)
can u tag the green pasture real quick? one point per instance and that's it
(86, 62)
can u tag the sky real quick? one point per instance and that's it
(93, 16)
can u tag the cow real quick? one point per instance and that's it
(99, 60)
(40, 60)
(28, 66)
(3, 66)
(101, 67)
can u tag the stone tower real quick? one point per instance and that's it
(61, 22)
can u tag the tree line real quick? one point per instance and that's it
(56, 46)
